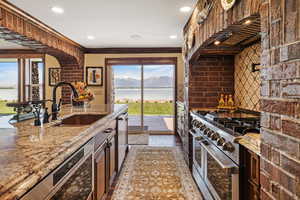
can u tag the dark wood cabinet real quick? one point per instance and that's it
(112, 152)
(105, 161)
(100, 173)
(249, 176)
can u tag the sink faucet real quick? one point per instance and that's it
(55, 106)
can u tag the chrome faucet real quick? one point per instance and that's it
(55, 106)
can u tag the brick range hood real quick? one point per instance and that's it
(207, 75)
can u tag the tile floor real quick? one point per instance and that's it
(154, 123)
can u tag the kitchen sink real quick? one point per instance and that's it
(80, 120)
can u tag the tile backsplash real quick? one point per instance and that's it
(247, 83)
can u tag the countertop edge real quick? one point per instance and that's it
(26, 184)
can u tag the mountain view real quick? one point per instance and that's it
(151, 82)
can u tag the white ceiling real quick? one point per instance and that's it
(9, 45)
(113, 22)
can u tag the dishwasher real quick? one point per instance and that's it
(122, 141)
(73, 179)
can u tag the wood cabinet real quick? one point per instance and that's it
(100, 173)
(105, 161)
(110, 154)
(249, 176)
(111, 151)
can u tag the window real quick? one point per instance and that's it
(9, 84)
(34, 79)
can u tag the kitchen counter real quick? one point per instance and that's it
(29, 153)
(251, 141)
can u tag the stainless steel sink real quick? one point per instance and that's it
(80, 120)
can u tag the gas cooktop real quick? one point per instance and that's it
(239, 121)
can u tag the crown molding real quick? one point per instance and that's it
(133, 50)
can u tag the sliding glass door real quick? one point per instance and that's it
(128, 90)
(149, 91)
(158, 98)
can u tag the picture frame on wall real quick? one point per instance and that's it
(94, 76)
(54, 76)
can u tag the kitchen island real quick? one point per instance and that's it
(29, 153)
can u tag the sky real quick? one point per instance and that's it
(134, 71)
(8, 74)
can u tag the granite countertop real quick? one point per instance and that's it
(251, 141)
(29, 153)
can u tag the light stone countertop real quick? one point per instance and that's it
(29, 153)
(251, 141)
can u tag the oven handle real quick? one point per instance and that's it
(219, 156)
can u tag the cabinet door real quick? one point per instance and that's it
(254, 168)
(100, 174)
(112, 159)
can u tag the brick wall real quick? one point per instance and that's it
(71, 71)
(208, 79)
(280, 103)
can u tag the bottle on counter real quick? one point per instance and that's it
(230, 102)
(221, 101)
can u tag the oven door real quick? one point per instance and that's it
(221, 173)
(198, 155)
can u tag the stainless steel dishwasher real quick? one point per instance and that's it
(73, 179)
(122, 126)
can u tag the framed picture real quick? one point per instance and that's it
(54, 76)
(94, 76)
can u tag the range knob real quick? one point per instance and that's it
(206, 131)
(194, 122)
(199, 124)
(210, 133)
(228, 147)
(215, 136)
(220, 141)
(202, 127)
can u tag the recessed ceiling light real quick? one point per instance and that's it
(217, 42)
(90, 37)
(173, 36)
(135, 36)
(57, 10)
(185, 9)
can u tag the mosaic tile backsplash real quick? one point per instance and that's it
(247, 83)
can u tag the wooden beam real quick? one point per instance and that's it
(133, 50)
(19, 27)
(34, 20)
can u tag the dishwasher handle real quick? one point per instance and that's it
(123, 117)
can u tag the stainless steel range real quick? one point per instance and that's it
(215, 151)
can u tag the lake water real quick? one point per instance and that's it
(9, 94)
(149, 94)
(124, 93)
